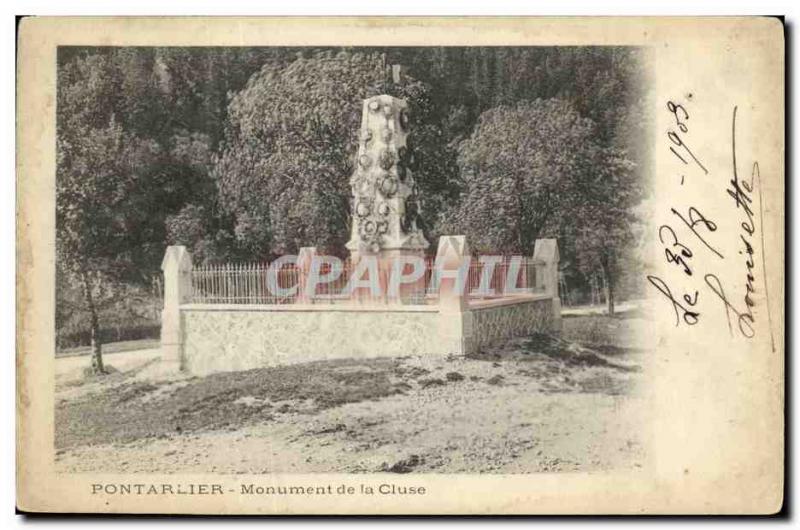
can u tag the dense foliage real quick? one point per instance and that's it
(518, 176)
(289, 147)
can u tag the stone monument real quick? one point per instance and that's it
(385, 196)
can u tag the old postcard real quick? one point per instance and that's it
(400, 265)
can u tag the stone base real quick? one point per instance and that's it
(221, 338)
(169, 367)
(171, 355)
(409, 293)
(556, 325)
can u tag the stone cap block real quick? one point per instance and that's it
(177, 257)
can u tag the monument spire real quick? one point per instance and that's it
(385, 195)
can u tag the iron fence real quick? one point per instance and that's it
(275, 284)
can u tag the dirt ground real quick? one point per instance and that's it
(536, 404)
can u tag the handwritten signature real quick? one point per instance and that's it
(741, 192)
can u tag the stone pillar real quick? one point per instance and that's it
(385, 197)
(177, 268)
(304, 259)
(546, 252)
(452, 256)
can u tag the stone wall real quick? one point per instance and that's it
(221, 339)
(492, 324)
(207, 338)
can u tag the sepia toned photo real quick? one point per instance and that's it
(309, 275)
(185, 175)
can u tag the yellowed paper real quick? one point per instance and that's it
(703, 432)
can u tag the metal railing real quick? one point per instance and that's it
(258, 283)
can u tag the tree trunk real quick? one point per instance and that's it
(97, 348)
(608, 288)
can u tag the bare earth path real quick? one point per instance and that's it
(532, 406)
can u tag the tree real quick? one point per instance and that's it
(290, 143)
(520, 167)
(136, 132)
(608, 219)
(104, 178)
(96, 175)
(206, 232)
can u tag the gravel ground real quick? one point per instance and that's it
(533, 405)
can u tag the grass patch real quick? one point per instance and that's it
(496, 380)
(570, 353)
(590, 329)
(433, 381)
(613, 334)
(218, 401)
